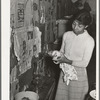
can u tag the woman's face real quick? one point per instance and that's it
(77, 27)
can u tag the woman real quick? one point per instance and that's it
(78, 46)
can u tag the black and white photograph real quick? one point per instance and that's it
(52, 50)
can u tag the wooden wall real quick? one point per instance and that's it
(28, 19)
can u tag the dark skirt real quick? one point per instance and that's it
(76, 90)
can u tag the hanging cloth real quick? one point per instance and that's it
(16, 46)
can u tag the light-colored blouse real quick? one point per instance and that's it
(78, 48)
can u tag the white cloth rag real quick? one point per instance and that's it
(69, 72)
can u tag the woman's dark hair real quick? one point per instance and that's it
(83, 17)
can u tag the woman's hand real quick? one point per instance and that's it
(63, 59)
(59, 57)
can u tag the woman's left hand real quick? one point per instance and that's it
(63, 59)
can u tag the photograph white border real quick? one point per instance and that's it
(5, 48)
